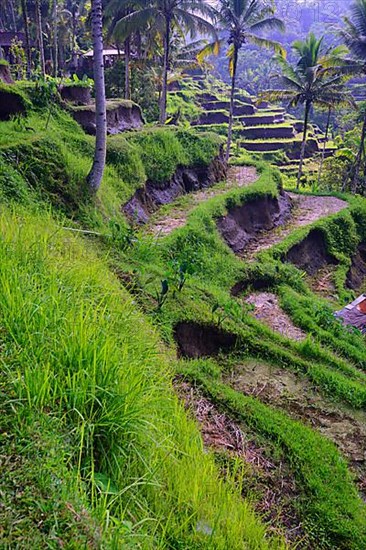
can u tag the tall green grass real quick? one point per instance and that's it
(76, 350)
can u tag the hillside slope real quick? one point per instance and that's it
(105, 320)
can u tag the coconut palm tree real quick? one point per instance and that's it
(95, 175)
(339, 96)
(115, 13)
(40, 37)
(184, 16)
(313, 80)
(243, 20)
(28, 53)
(353, 34)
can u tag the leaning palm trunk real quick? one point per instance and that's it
(95, 176)
(27, 41)
(40, 37)
(164, 89)
(303, 144)
(324, 144)
(232, 98)
(127, 68)
(360, 153)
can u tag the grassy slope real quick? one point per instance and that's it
(94, 440)
(206, 297)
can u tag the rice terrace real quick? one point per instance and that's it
(183, 274)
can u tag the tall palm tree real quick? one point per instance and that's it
(40, 37)
(28, 53)
(315, 79)
(353, 34)
(186, 16)
(114, 13)
(338, 96)
(243, 20)
(96, 174)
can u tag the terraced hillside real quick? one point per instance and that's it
(258, 126)
(182, 284)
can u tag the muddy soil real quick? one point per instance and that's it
(268, 483)
(152, 196)
(295, 394)
(237, 176)
(323, 282)
(307, 209)
(195, 340)
(357, 273)
(242, 224)
(267, 309)
(311, 253)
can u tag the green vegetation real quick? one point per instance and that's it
(328, 498)
(106, 325)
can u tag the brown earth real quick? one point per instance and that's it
(78, 95)
(121, 116)
(197, 340)
(357, 272)
(237, 176)
(296, 395)
(307, 209)
(243, 223)
(268, 482)
(267, 309)
(11, 104)
(5, 75)
(311, 253)
(148, 199)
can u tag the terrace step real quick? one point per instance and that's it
(267, 132)
(257, 119)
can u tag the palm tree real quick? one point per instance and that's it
(166, 15)
(115, 13)
(243, 20)
(40, 37)
(95, 175)
(353, 35)
(338, 96)
(27, 39)
(316, 79)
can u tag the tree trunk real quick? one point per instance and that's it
(96, 174)
(231, 113)
(55, 38)
(324, 144)
(12, 11)
(303, 144)
(40, 37)
(127, 68)
(27, 40)
(164, 89)
(356, 172)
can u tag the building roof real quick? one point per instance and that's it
(354, 314)
(106, 52)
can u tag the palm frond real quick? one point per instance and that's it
(270, 23)
(266, 43)
(133, 22)
(212, 48)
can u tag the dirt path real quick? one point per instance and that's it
(267, 309)
(307, 209)
(162, 224)
(269, 482)
(295, 394)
